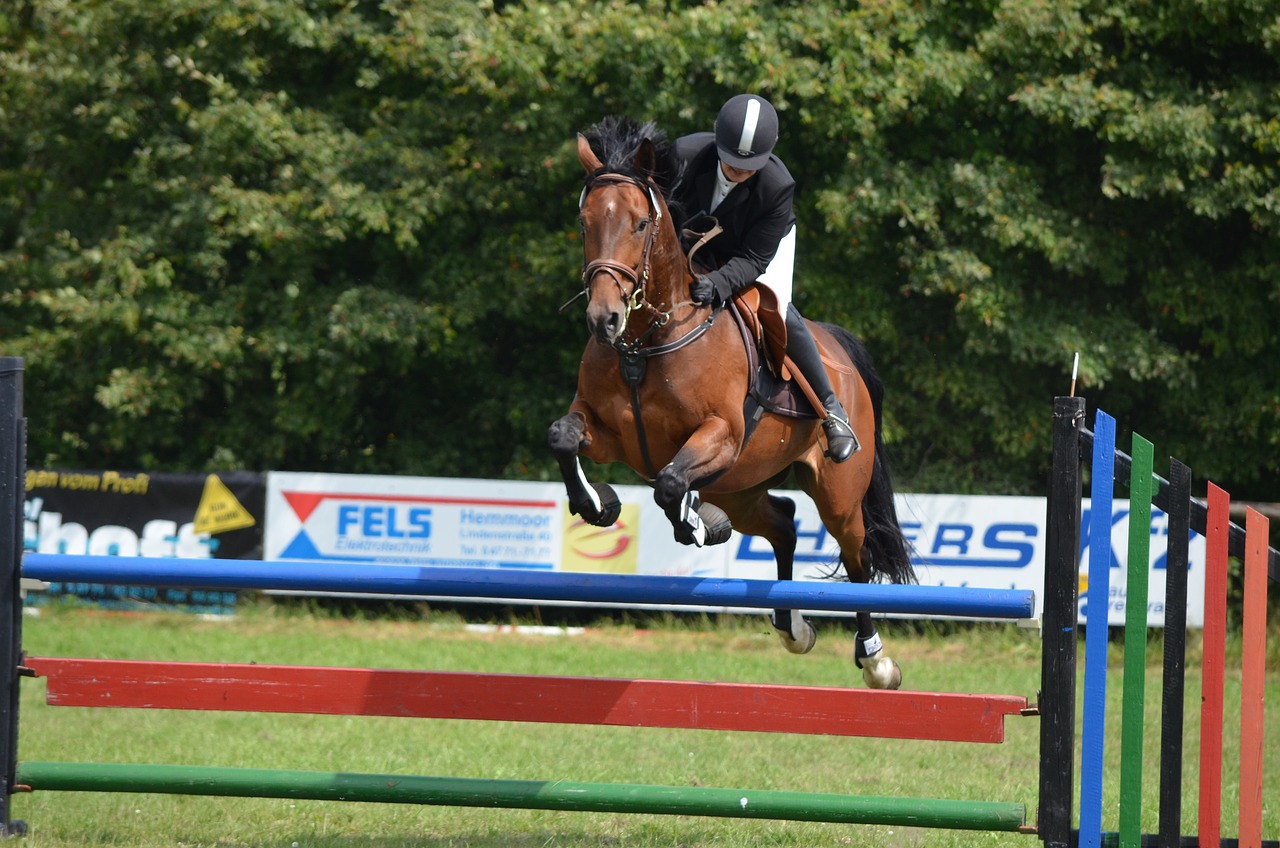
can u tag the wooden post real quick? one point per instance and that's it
(1058, 649)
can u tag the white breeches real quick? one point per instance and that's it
(778, 276)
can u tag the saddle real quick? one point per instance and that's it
(775, 384)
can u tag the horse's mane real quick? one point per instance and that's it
(617, 139)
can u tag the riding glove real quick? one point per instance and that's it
(703, 290)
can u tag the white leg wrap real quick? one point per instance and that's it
(582, 477)
(689, 515)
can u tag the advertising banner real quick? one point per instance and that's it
(474, 523)
(153, 514)
(956, 540)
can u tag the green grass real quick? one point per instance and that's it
(1001, 660)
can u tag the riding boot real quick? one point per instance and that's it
(803, 350)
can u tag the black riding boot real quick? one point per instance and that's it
(803, 350)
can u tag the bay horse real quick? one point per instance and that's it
(662, 385)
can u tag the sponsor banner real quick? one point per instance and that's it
(1119, 578)
(152, 514)
(984, 542)
(979, 541)
(472, 523)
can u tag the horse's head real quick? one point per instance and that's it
(627, 236)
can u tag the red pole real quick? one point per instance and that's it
(1253, 670)
(1211, 682)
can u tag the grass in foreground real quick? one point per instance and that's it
(983, 659)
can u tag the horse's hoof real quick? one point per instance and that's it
(882, 673)
(719, 528)
(610, 507)
(802, 645)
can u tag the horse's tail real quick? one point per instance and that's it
(886, 552)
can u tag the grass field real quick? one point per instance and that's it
(992, 659)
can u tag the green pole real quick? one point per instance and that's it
(523, 794)
(1135, 643)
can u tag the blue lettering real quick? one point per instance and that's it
(346, 517)
(1116, 518)
(420, 521)
(746, 552)
(963, 533)
(819, 536)
(384, 521)
(749, 551)
(392, 530)
(993, 541)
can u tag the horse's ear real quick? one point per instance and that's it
(587, 156)
(647, 158)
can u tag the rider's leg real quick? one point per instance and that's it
(841, 442)
(803, 350)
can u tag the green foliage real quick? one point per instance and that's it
(277, 234)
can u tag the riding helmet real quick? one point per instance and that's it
(746, 131)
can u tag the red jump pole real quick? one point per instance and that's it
(1213, 667)
(521, 697)
(1253, 672)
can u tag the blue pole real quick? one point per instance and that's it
(1093, 731)
(510, 584)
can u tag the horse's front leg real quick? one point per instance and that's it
(597, 503)
(797, 635)
(709, 452)
(773, 518)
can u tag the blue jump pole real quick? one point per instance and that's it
(508, 584)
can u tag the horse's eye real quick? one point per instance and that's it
(642, 226)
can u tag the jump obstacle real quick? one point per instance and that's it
(692, 705)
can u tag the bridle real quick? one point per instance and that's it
(637, 276)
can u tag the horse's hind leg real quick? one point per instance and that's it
(597, 503)
(878, 670)
(846, 524)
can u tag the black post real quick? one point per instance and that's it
(1058, 649)
(1175, 654)
(12, 473)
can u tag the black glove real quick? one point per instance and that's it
(704, 291)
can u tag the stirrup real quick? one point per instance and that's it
(842, 442)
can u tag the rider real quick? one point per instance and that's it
(732, 175)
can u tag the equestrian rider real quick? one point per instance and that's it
(732, 174)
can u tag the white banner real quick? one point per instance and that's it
(957, 540)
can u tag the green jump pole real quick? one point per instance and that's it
(522, 794)
(1135, 643)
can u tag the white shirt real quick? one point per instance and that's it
(722, 189)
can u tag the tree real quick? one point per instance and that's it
(274, 234)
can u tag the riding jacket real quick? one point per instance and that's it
(755, 216)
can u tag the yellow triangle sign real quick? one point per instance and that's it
(219, 511)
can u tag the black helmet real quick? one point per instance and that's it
(746, 131)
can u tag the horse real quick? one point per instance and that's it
(661, 387)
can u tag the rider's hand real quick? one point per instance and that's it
(703, 290)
